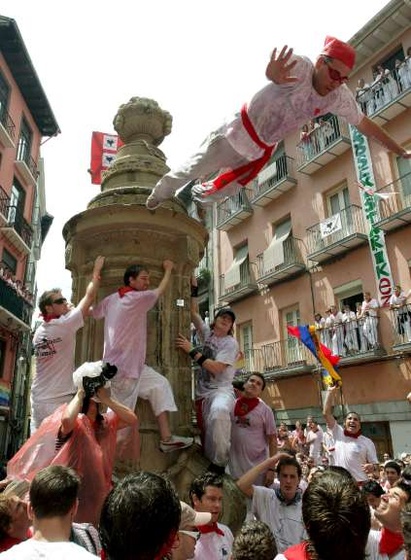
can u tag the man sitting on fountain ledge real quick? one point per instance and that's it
(125, 312)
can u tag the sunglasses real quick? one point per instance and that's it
(59, 301)
(334, 74)
(194, 534)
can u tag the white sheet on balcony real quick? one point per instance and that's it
(233, 275)
(267, 173)
(330, 225)
(273, 256)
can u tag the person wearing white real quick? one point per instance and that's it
(54, 344)
(350, 326)
(32, 549)
(214, 390)
(297, 92)
(398, 303)
(353, 451)
(279, 507)
(369, 309)
(314, 440)
(253, 431)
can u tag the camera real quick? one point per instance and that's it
(92, 384)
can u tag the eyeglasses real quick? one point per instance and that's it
(194, 534)
(59, 301)
(334, 74)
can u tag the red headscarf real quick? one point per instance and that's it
(334, 48)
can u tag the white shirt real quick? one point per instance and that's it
(279, 109)
(125, 330)
(43, 550)
(372, 552)
(351, 453)
(211, 546)
(54, 344)
(285, 521)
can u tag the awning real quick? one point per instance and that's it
(233, 277)
(273, 256)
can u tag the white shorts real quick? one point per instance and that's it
(151, 386)
(40, 410)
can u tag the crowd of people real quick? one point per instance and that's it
(84, 420)
(386, 86)
(18, 286)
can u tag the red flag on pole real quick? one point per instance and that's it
(103, 150)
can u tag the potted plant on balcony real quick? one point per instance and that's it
(203, 278)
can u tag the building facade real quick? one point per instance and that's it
(25, 118)
(305, 239)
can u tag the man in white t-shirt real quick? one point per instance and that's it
(53, 505)
(54, 344)
(298, 91)
(253, 432)
(125, 342)
(216, 539)
(279, 507)
(352, 450)
(314, 440)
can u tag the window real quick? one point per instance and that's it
(338, 205)
(274, 256)
(238, 273)
(25, 140)
(349, 294)
(9, 261)
(17, 202)
(246, 344)
(404, 171)
(4, 97)
(2, 356)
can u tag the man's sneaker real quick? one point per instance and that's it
(175, 443)
(152, 203)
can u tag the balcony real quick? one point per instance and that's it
(244, 285)
(349, 233)
(287, 358)
(234, 210)
(401, 329)
(273, 181)
(4, 204)
(384, 100)
(27, 167)
(7, 129)
(292, 265)
(17, 230)
(15, 312)
(323, 145)
(395, 210)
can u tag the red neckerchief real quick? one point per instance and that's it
(243, 405)
(210, 528)
(297, 552)
(355, 436)
(245, 173)
(390, 542)
(123, 290)
(47, 318)
(8, 542)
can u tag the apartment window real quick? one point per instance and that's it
(9, 261)
(404, 172)
(238, 272)
(17, 202)
(338, 205)
(246, 345)
(389, 61)
(349, 294)
(4, 97)
(2, 356)
(275, 254)
(25, 140)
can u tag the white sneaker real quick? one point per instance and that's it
(152, 203)
(199, 194)
(176, 443)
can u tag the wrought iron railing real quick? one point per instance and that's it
(398, 197)
(321, 138)
(4, 201)
(8, 123)
(16, 220)
(292, 252)
(278, 170)
(14, 303)
(392, 86)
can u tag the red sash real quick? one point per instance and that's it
(243, 405)
(247, 172)
(390, 542)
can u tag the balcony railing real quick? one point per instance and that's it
(283, 357)
(234, 209)
(13, 303)
(323, 144)
(350, 234)
(246, 285)
(292, 264)
(401, 326)
(395, 209)
(353, 337)
(4, 204)
(386, 98)
(26, 165)
(7, 128)
(277, 178)
(18, 225)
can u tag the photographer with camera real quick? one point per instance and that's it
(78, 435)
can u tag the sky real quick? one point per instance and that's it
(199, 60)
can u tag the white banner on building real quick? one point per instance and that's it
(376, 238)
(330, 225)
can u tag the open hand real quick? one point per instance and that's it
(279, 67)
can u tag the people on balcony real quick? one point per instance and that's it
(398, 303)
(351, 331)
(337, 338)
(17, 285)
(369, 309)
(298, 91)
(360, 325)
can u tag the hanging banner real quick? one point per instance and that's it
(103, 151)
(376, 237)
(330, 225)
